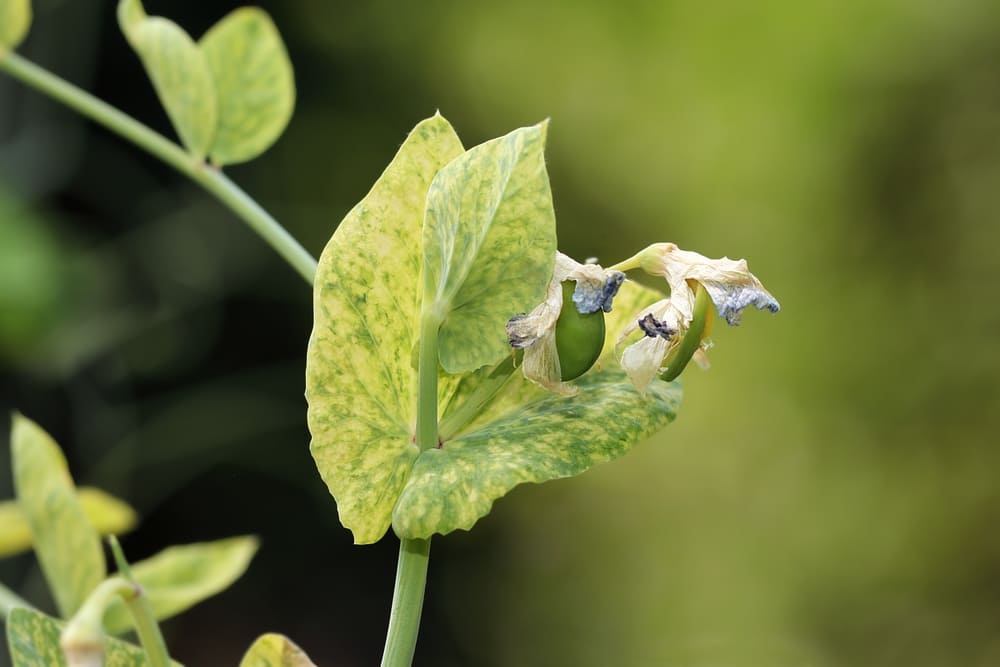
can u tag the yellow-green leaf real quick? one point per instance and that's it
(528, 435)
(15, 19)
(360, 382)
(254, 85)
(179, 577)
(274, 650)
(107, 514)
(179, 72)
(33, 641)
(489, 245)
(68, 547)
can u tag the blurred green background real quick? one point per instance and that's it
(829, 494)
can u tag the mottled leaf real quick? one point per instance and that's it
(33, 641)
(107, 514)
(15, 19)
(67, 546)
(179, 73)
(489, 245)
(360, 381)
(549, 437)
(254, 85)
(177, 578)
(274, 650)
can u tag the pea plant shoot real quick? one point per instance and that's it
(455, 353)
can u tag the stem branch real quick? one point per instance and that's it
(211, 179)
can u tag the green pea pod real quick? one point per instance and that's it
(699, 328)
(579, 337)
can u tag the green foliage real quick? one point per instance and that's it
(488, 249)
(67, 545)
(107, 514)
(254, 85)
(274, 650)
(529, 435)
(33, 641)
(179, 73)
(360, 383)
(489, 246)
(229, 96)
(15, 19)
(179, 577)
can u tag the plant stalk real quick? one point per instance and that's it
(411, 570)
(142, 611)
(407, 603)
(210, 178)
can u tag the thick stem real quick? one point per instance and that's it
(427, 373)
(411, 571)
(407, 603)
(209, 178)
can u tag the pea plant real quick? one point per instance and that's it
(455, 354)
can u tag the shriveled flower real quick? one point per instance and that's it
(535, 332)
(665, 324)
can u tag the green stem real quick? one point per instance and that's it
(454, 421)
(407, 603)
(411, 570)
(211, 179)
(83, 637)
(142, 612)
(10, 600)
(427, 373)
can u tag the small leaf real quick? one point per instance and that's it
(177, 578)
(489, 245)
(254, 85)
(549, 437)
(179, 73)
(15, 19)
(15, 534)
(274, 650)
(68, 547)
(360, 382)
(107, 514)
(33, 640)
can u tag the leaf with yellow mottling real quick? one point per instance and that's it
(107, 514)
(33, 641)
(360, 381)
(274, 650)
(254, 85)
(67, 546)
(489, 246)
(528, 435)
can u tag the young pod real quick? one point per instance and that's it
(579, 337)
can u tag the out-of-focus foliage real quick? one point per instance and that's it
(33, 638)
(15, 19)
(273, 650)
(107, 514)
(828, 493)
(181, 576)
